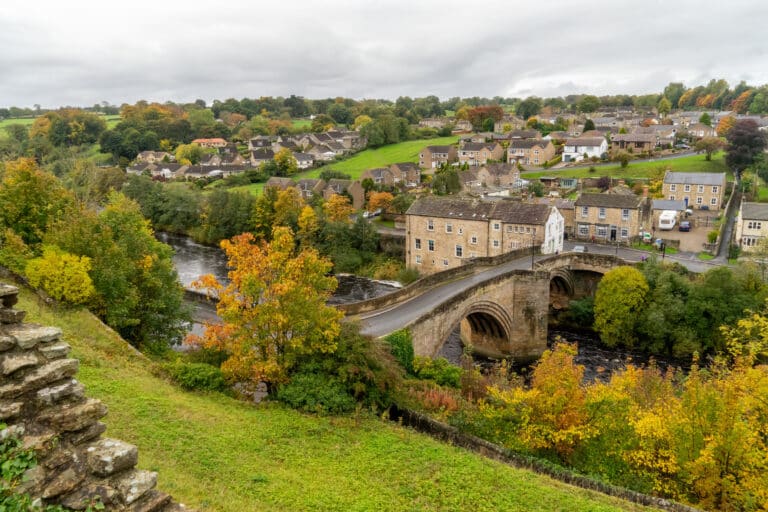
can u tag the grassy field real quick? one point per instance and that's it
(215, 453)
(301, 123)
(407, 151)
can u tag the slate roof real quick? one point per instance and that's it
(302, 156)
(439, 149)
(754, 211)
(406, 166)
(609, 200)
(281, 183)
(338, 185)
(500, 168)
(503, 210)
(478, 146)
(635, 137)
(524, 134)
(586, 141)
(666, 204)
(695, 178)
(263, 153)
(527, 143)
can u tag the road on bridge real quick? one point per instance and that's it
(382, 322)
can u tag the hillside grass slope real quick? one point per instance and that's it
(216, 453)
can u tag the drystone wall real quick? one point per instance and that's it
(43, 404)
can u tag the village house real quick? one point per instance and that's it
(577, 149)
(308, 188)
(380, 176)
(407, 173)
(351, 188)
(530, 151)
(261, 141)
(279, 183)
(751, 224)
(508, 123)
(442, 233)
(210, 143)
(433, 122)
(501, 174)
(261, 155)
(665, 205)
(304, 160)
(702, 190)
(462, 126)
(701, 130)
(634, 142)
(609, 217)
(524, 134)
(152, 157)
(432, 157)
(473, 153)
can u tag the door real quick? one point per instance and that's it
(613, 233)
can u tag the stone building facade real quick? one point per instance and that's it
(701, 190)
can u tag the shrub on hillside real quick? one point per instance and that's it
(401, 346)
(197, 376)
(313, 392)
(438, 370)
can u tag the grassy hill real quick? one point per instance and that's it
(215, 453)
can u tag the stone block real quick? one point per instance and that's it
(153, 501)
(55, 350)
(12, 316)
(63, 482)
(10, 409)
(12, 431)
(11, 363)
(32, 481)
(39, 377)
(9, 295)
(87, 495)
(70, 418)
(134, 484)
(59, 458)
(6, 343)
(109, 456)
(53, 394)
(87, 434)
(41, 443)
(29, 335)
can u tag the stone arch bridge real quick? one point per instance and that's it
(502, 311)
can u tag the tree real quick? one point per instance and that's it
(529, 107)
(308, 227)
(725, 125)
(31, 199)
(705, 119)
(709, 145)
(338, 209)
(588, 104)
(664, 106)
(745, 143)
(187, 154)
(286, 163)
(361, 121)
(673, 91)
(379, 201)
(620, 297)
(622, 157)
(589, 125)
(274, 308)
(62, 276)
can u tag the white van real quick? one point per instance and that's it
(667, 220)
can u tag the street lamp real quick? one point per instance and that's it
(533, 239)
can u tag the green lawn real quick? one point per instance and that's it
(301, 123)
(644, 169)
(253, 188)
(407, 151)
(216, 453)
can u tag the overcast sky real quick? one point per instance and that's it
(77, 52)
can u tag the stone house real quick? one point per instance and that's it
(309, 188)
(633, 142)
(609, 217)
(530, 151)
(702, 190)
(279, 183)
(407, 173)
(380, 176)
(576, 149)
(701, 130)
(303, 160)
(524, 134)
(210, 143)
(501, 174)
(153, 157)
(261, 155)
(662, 205)
(261, 141)
(433, 122)
(441, 233)
(508, 123)
(432, 157)
(473, 153)
(352, 188)
(751, 224)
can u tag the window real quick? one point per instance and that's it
(496, 226)
(473, 239)
(602, 231)
(625, 214)
(448, 227)
(671, 198)
(583, 230)
(459, 251)
(754, 225)
(584, 211)
(624, 233)
(673, 188)
(418, 259)
(527, 229)
(514, 244)
(713, 201)
(495, 243)
(431, 245)
(417, 243)
(430, 225)
(686, 188)
(445, 262)
(511, 228)
(699, 200)
(715, 189)
(700, 189)
(601, 212)
(461, 230)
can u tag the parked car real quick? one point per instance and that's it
(580, 248)
(685, 225)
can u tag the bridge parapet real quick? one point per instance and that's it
(600, 263)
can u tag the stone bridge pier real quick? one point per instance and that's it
(505, 316)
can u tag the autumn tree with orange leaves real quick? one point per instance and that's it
(274, 309)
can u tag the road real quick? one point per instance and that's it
(605, 164)
(385, 321)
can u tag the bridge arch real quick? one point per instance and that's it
(486, 326)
